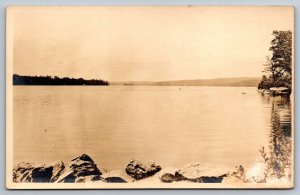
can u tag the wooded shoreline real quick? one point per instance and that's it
(48, 80)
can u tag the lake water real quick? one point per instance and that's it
(172, 126)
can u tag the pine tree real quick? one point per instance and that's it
(279, 65)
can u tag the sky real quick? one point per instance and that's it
(145, 43)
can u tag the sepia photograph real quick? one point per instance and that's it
(150, 97)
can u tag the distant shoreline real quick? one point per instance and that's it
(119, 85)
(66, 81)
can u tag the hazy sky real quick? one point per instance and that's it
(145, 43)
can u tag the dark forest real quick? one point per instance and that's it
(48, 80)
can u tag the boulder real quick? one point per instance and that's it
(28, 172)
(81, 169)
(139, 170)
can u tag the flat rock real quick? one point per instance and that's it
(200, 173)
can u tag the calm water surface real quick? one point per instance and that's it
(173, 127)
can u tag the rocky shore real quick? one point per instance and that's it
(83, 169)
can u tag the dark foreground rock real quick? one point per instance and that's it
(27, 172)
(139, 170)
(115, 180)
(80, 169)
(198, 173)
(84, 169)
(169, 178)
(22, 172)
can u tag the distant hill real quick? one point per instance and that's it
(133, 83)
(237, 82)
(234, 82)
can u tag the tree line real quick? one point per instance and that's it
(48, 80)
(278, 66)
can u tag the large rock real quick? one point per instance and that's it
(200, 173)
(80, 169)
(139, 170)
(28, 172)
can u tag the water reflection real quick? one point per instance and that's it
(278, 160)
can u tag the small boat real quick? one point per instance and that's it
(279, 90)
